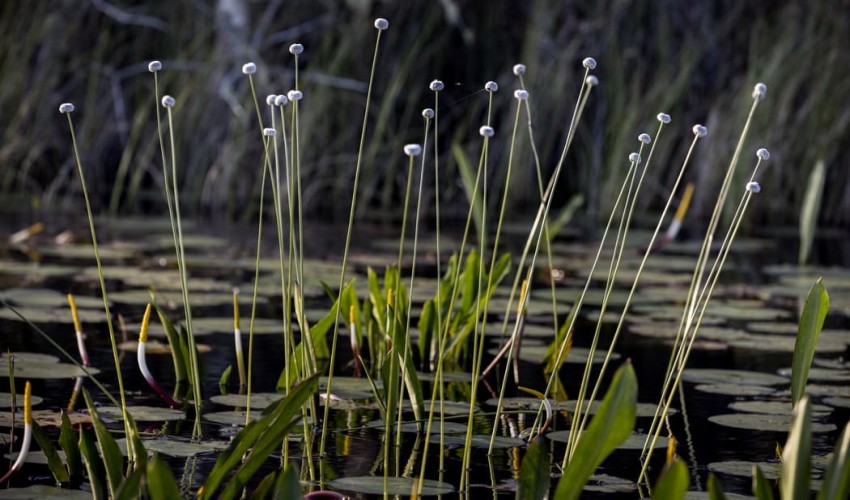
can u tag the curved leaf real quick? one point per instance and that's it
(534, 477)
(836, 482)
(673, 483)
(811, 323)
(797, 454)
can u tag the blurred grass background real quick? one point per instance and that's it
(697, 61)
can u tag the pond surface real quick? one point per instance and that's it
(718, 419)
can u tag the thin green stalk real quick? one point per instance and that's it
(335, 337)
(102, 280)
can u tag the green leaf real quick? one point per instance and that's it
(287, 486)
(113, 459)
(811, 209)
(610, 427)
(565, 216)
(551, 358)
(140, 455)
(427, 324)
(222, 381)
(251, 447)
(94, 465)
(715, 491)
(811, 323)
(468, 176)
(761, 486)
(177, 351)
(69, 444)
(129, 488)
(264, 489)
(797, 453)
(54, 461)
(160, 480)
(673, 483)
(836, 481)
(534, 479)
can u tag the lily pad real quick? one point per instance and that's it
(259, 400)
(776, 408)
(735, 389)
(479, 441)
(43, 492)
(411, 427)
(33, 367)
(141, 413)
(837, 402)
(786, 343)
(763, 422)
(577, 355)
(822, 375)
(375, 485)
(771, 470)
(42, 297)
(45, 418)
(155, 347)
(719, 376)
(34, 270)
(236, 418)
(175, 447)
(6, 400)
(634, 442)
(41, 316)
(603, 483)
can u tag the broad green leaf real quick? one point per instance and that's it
(54, 461)
(160, 480)
(222, 381)
(129, 487)
(610, 427)
(534, 478)
(68, 442)
(797, 453)
(836, 482)
(113, 459)
(811, 323)
(263, 490)
(761, 486)
(715, 491)
(673, 483)
(94, 465)
(287, 486)
(811, 209)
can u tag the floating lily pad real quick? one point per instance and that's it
(259, 400)
(776, 408)
(775, 327)
(828, 390)
(155, 347)
(771, 470)
(763, 422)
(375, 485)
(194, 241)
(833, 364)
(86, 251)
(719, 376)
(45, 418)
(642, 409)
(42, 297)
(36, 457)
(447, 376)
(34, 270)
(822, 375)
(837, 402)
(478, 441)
(176, 447)
(141, 413)
(6, 400)
(41, 316)
(704, 495)
(236, 418)
(43, 492)
(603, 483)
(411, 427)
(735, 389)
(34, 367)
(786, 343)
(634, 442)
(577, 355)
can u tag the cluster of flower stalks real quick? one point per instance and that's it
(452, 324)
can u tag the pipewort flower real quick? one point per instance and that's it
(66, 107)
(281, 101)
(381, 23)
(294, 95)
(154, 66)
(249, 68)
(168, 101)
(521, 94)
(270, 99)
(428, 113)
(486, 131)
(491, 86)
(519, 69)
(589, 63)
(753, 187)
(269, 132)
(763, 154)
(436, 85)
(296, 49)
(663, 118)
(759, 91)
(412, 149)
(634, 158)
(645, 138)
(592, 81)
(700, 131)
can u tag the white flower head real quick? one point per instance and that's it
(634, 158)
(645, 138)
(269, 132)
(753, 187)
(519, 69)
(759, 91)
(491, 86)
(381, 23)
(296, 49)
(412, 149)
(589, 63)
(592, 81)
(486, 131)
(763, 154)
(428, 113)
(437, 85)
(249, 68)
(521, 94)
(281, 101)
(168, 101)
(700, 131)
(295, 95)
(66, 107)
(270, 99)
(663, 118)
(154, 66)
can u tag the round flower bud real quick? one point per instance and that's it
(168, 101)
(382, 23)
(763, 154)
(249, 68)
(634, 158)
(521, 94)
(486, 131)
(281, 100)
(663, 118)
(589, 63)
(753, 187)
(154, 66)
(519, 69)
(412, 149)
(759, 91)
(294, 95)
(428, 113)
(270, 99)
(66, 107)
(592, 80)
(645, 138)
(700, 131)
(437, 86)
(296, 48)
(491, 86)
(269, 132)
